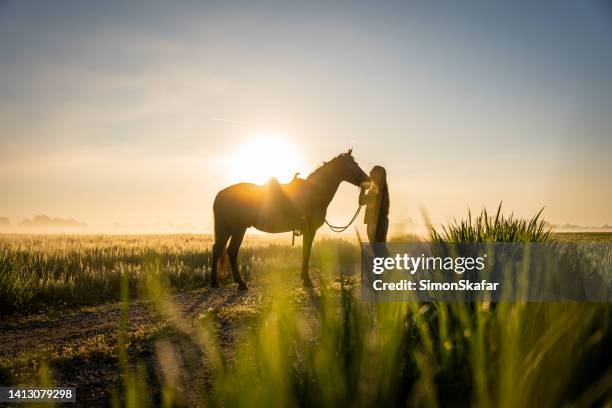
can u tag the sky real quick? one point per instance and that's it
(137, 114)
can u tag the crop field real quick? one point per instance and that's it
(130, 321)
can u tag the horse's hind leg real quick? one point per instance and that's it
(232, 251)
(221, 237)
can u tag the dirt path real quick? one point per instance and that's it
(74, 326)
(82, 346)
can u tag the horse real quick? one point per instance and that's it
(300, 205)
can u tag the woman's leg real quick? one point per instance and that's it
(380, 237)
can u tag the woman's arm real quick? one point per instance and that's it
(362, 196)
(368, 196)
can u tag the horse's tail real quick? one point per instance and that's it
(220, 236)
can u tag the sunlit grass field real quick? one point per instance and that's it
(324, 347)
(39, 273)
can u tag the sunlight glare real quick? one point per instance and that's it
(264, 156)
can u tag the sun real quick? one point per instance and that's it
(266, 155)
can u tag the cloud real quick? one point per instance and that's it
(4, 221)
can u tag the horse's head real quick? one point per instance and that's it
(349, 170)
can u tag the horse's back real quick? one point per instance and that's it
(241, 194)
(254, 192)
(271, 207)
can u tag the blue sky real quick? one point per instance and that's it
(113, 112)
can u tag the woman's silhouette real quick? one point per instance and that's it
(376, 200)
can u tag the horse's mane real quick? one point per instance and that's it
(322, 168)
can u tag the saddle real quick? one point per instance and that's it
(282, 197)
(283, 193)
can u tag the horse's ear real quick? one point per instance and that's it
(350, 151)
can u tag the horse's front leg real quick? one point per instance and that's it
(306, 247)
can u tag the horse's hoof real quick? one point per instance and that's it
(242, 286)
(214, 284)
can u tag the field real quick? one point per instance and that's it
(129, 320)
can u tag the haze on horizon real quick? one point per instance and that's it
(139, 113)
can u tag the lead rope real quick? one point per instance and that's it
(336, 228)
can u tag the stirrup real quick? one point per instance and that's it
(296, 233)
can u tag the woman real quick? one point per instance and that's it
(376, 200)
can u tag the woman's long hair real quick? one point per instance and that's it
(379, 176)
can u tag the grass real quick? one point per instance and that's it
(344, 352)
(328, 347)
(500, 228)
(41, 273)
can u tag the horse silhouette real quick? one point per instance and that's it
(274, 208)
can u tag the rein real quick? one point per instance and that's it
(334, 228)
(337, 228)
